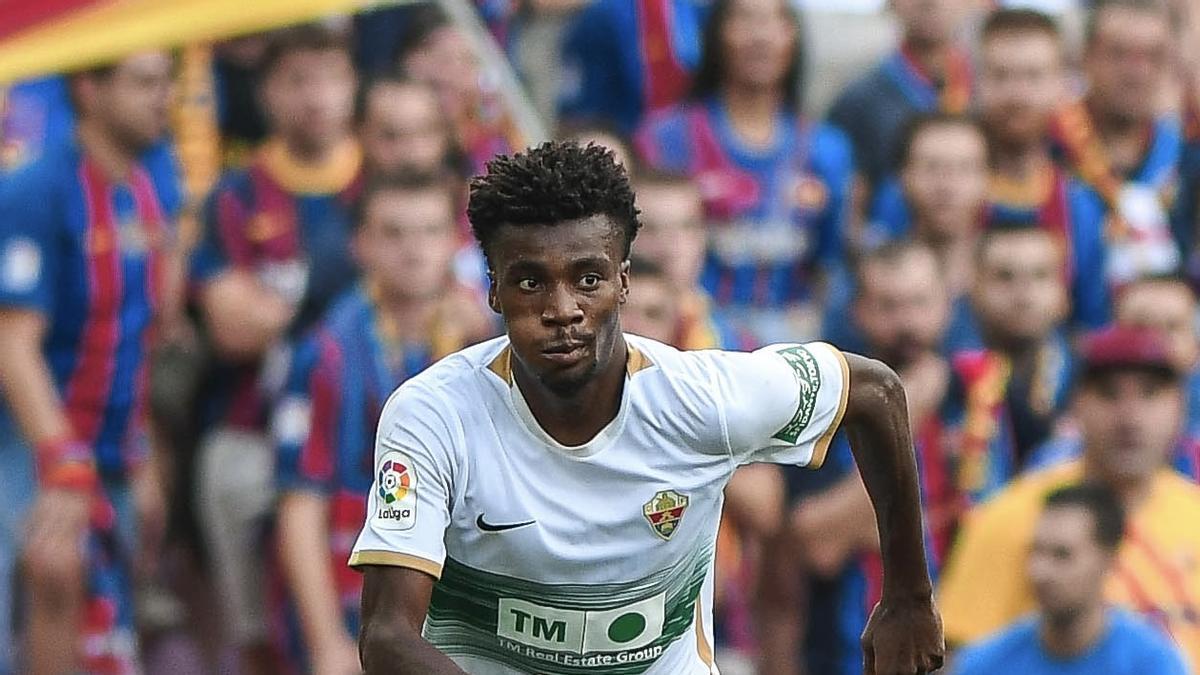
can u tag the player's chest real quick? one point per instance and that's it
(580, 515)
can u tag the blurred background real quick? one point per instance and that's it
(228, 230)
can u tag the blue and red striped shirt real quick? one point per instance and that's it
(87, 253)
(775, 214)
(290, 226)
(324, 431)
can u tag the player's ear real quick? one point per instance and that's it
(493, 296)
(623, 275)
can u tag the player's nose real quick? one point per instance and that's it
(562, 308)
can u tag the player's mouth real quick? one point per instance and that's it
(565, 353)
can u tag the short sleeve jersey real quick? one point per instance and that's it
(593, 558)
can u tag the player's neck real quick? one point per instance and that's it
(114, 159)
(1074, 635)
(576, 419)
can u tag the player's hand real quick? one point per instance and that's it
(339, 657)
(55, 539)
(903, 637)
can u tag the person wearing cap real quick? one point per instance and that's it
(1128, 401)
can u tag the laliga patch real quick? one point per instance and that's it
(22, 266)
(395, 492)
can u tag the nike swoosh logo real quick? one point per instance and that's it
(488, 527)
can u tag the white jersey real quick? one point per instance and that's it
(589, 559)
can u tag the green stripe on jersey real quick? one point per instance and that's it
(567, 629)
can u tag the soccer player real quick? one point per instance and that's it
(929, 72)
(1074, 632)
(775, 188)
(1128, 402)
(624, 59)
(548, 501)
(1119, 143)
(85, 240)
(275, 252)
(404, 315)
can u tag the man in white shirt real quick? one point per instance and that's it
(547, 502)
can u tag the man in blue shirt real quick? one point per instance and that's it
(1074, 549)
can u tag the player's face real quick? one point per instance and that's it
(757, 40)
(946, 178)
(403, 130)
(1130, 420)
(651, 310)
(406, 242)
(1067, 567)
(1166, 307)
(309, 96)
(1020, 85)
(559, 288)
(672, 233)
(134, 99)
(902, 308)
(930, 21)
(1127, 62)
(1019, 294)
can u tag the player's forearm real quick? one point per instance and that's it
(877, 422)
(26, 381)
(390, 646)
(304, 551)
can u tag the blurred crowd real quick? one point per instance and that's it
(217, 263)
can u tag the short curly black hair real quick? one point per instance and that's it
(555, 182)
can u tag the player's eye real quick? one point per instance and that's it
(590, 281)
(528, 284)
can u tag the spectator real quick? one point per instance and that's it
(403, 130)
(1129, 404)
(403, 316)
(672, 235)
(944, 183)
(652, 309)
(1074, 550)
(275, 253)
(85, 236)
(1117, 141)
(774, 186)
(626, 59)
(236, 67)
(603, 135)
(1005, 397)
(436, 51)
(1168, 305)
(1021, 86)
(901, 310)
(927, 73)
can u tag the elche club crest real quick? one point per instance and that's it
(664, 511)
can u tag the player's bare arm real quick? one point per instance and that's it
(904, 634)
(394, 603)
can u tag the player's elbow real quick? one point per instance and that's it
(875, 389)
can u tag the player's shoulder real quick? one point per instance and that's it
(455, 379)
(990, 654)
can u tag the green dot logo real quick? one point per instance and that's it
(626, 627)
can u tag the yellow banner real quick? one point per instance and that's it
(102, 33)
